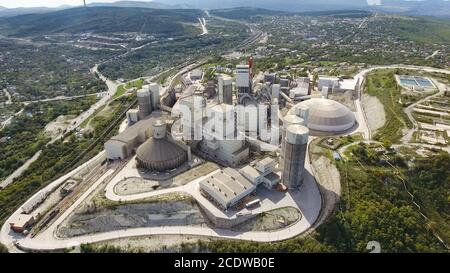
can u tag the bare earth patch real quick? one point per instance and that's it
(376, 117)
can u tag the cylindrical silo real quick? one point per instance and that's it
(144, 102)
(296, 142)
(159, 129)
(225, 89)
(302, 111)
(155, 94)
(288, 120)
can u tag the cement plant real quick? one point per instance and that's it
(247, 139)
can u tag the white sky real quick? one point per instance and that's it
(46, 3)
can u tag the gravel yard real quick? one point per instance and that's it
(271, 220)
(153, 214)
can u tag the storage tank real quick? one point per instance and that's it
(158, 153)
(144, 102)
(225, 84)
(302, 111)
(275, 91)
(155, 95)
(132, 116)
(288, 121)
(159, 129)
(325, 115)
(296, 142)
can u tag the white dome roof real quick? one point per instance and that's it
(327, 115)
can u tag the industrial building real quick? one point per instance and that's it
(132, 116)
(270, 78)
(144, 103)
(225, 89)
(231, 152)
(243, 79)
(262, 172)
(191, 111)
(300, 89)
(196, 75)
(221, 141)
(159, 153)
(294, 155)
(285, 82)
(325, 115)
(210, 90)
(123, 145)
(226, 188)
(154, 89)
(330, 83)
(21, 222)
(148, 99)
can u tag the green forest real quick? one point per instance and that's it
(23, 144)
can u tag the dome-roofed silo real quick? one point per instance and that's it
(325, 115)
(158, 153)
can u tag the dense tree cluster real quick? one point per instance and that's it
(25, 135)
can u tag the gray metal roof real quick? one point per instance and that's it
(227, 184)
(159, 151)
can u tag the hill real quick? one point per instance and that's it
(136, 4)
(100, 20)
(6, 12)
(243, 13)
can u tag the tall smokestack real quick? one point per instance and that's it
(250, 65)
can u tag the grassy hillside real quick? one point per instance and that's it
(425, 30)
(382, 84)
(246, 13)
(100, 20)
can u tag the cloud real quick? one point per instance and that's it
(374, 2)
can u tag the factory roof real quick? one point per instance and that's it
(330, 78)
(21, 220)
(273, 177)
(266, 161)
(139, 127)
(250, 172)
(228, 184)
(196, 73)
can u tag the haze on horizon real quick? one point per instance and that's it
(50, 3)
(57, 3)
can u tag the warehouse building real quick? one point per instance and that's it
(226, 188)
(21, 222)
